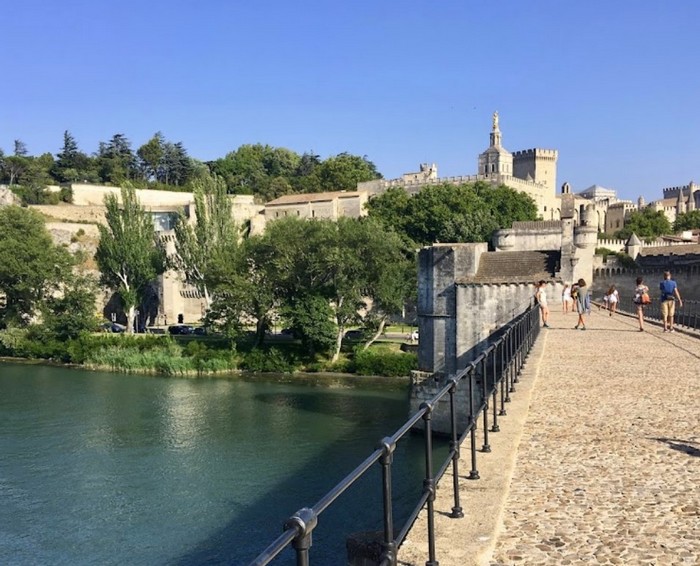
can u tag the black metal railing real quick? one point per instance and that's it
(686, 316)
(489, 381)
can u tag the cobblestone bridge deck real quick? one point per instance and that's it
(597, 461)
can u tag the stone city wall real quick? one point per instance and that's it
(687, 277)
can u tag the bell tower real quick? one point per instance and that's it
(496, 160)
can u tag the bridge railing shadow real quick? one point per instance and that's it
(488, 380)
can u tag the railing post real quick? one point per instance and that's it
(504, 377)
(485, 394)
(473, 473)
(304, 522)
(519, 349)
(494, 364)
(457, 511)
(429, 482)
(389, 553)
(511, 361)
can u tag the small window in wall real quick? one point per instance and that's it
(617, 223)
(313, 213)
(277, 214)
(298, 213)
(545, 209)
(493, 168)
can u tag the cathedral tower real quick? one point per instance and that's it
(496, 160)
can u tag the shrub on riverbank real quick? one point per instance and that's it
(161, 356)
(270, 360)
(381, 361)
(165, 355)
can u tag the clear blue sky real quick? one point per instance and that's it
(614, 86)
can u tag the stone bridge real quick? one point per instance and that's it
(597, 461)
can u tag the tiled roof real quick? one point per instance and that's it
(537, 225)
(672, 250)
(515, 267)
(302, 198)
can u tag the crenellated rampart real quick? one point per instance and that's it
(538, 153)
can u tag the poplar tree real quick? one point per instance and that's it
(201, 243)
(129, 255)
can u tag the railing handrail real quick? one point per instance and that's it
(686, 315)
(512, 345)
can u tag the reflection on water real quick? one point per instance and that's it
(113, 469)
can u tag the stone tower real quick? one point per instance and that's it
(692, 188)
(496, 160)
(680, 203)
(538, 165)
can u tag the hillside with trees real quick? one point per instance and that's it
(261, 170)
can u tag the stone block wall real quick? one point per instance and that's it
(439, 267)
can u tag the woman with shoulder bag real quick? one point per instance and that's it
(641, 300)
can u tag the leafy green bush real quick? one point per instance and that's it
(272, 360)
(343, 365)
(605, 252)
(625, 260)
(377, 361)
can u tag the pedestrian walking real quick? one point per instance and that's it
(541, 297)
(566, 301)
(613, 298)
(641, 300)
(669, 294)
(582, 302)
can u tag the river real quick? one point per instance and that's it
(101, 468)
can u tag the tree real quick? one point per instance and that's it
(251, 168)
(72, 311)
(35, 178)
(175, 165)
(507, 205)
(451, 213)
(391, 277)
(31, 266)
(150, 156)
(13, 168)
(391, 208)
(214, 230)
(647, 224)
(687, 221)
(116, 160)
(344, 171)
(71, 164)
(20, 148)
(129, 254)
(244, 286)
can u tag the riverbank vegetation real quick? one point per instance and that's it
(316, 280)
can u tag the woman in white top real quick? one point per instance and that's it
(640, 290)
(541, 296)
(613, 297)
(566, 300)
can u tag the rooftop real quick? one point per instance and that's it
(303, 198)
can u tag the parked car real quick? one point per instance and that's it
(112, 327)
(200, 331)
(180, 329)
(354, 335)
